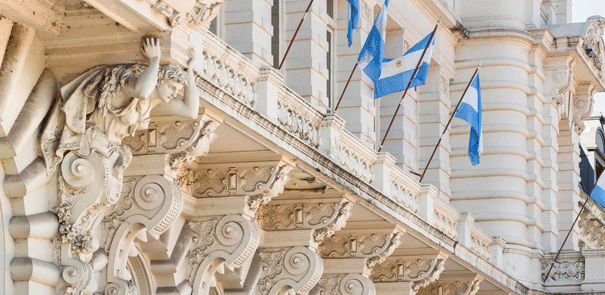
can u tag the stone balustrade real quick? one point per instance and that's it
(264, 90)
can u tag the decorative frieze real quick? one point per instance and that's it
(193, 14)
(480, 246)
(286, 270)
(404, 196)
(420, 272)
(593, 43)
(184, 140)
(374, 247)
(322, 217)
(570, 267)
(355, 157)
(458, 287)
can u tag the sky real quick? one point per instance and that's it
(580, 11)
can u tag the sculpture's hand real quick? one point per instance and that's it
(191, 61)
(151, 48)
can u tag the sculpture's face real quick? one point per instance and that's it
(168, 89)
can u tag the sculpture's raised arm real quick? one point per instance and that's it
(188, 107)
(148, 80)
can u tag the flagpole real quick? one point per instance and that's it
(566, 237)
(450, 121)
(409, 83)
(346, 86)
(294, 36)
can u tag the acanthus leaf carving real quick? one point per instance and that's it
(285, 270)
(193, 14)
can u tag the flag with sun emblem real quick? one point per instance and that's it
(396, 73)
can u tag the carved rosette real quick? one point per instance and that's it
(374, 247)
(421, 272)
(288, 270)
(459, 287)
(231, 239)
(184, 140)
(322, 217)
(351, 284)
(259, 183)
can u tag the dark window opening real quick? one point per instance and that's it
(275, 38)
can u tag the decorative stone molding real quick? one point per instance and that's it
(480, 246)
(355, 156)
(570, 267)
(592, 231)
(445, 223)
(288, 270)
(593, 42)
(582, 105)
(258, 182)
(420, 272)
(227, 76)
(344, 284)
(560, 81)
(192, 13)
(458, 287)
(296, 123)
(404, 196)
(322, 217)
(184, 140)
(230, 239)
(373, 246)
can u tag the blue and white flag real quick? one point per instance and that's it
(353, 19)
(598, 192)
(470, 111)
(396, 73)
(372, 54)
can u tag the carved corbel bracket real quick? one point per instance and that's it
(288, 270)
(148, 204)
(419, 270)
(256, 183)
(322, 216)
(341, 284)
(582, 106)
(372, 245)
(184, 140)
(455, 282)
(559, 80)
(229, 239)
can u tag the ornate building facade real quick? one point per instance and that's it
(194, 166)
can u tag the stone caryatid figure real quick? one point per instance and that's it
(82, 138)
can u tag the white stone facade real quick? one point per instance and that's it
(117, 179)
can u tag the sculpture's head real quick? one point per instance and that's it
(171, 78)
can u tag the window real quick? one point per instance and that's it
(330, 8)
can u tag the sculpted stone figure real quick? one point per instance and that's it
(82, 138)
